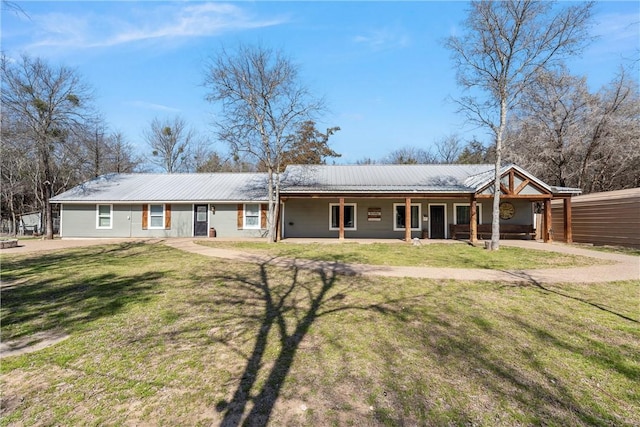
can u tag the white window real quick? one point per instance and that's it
(349, 216)
(104, 216)
(462, 213)
(399, 216)
(252, 216)
(156, 216)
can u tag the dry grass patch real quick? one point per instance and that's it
(185, 340)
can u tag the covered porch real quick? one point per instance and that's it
(338, 212)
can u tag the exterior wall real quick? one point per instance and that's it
(80, 220)
(609, 218)
(225, 221)
(309, 217)
(306, 217)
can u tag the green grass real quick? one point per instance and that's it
(455, 255)
(161, 337)
(611, 249)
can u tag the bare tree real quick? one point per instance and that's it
(505, 44)
(14, 7)
(571, 137)
(547, 129)
(51, 104)
(123, 158)
(409, 156)
(367, 161)
(171, 143)
(449, 148)
(263, 103)
(15, 193)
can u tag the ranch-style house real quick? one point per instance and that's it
(316, 201)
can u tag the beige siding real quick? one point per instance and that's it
(611, 218)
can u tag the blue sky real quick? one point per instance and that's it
(380, 66)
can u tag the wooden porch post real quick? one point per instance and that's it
(407, 219)
(341, 214)
(546, 230)
(568, 226)
(473, 222)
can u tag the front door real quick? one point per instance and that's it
(436, 222)
(200, 220)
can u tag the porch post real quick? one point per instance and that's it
(341, 215)
(568, 226)
(407, 219)
(546, 230)
(473, 222)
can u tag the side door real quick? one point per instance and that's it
(200, 220)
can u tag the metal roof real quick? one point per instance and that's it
(383, 178)
(194, 187)
(297, 179)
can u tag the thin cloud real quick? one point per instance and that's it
(384, 39)
(617, 37)
(162, 23)
(618, 26)
(151, 106)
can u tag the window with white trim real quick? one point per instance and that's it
(462, 213)
(156, 216)
(399, 216)
(251, 216)
(349, 216)
(104, 216)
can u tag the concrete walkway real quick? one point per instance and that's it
(622, 267)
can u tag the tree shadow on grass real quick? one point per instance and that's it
(288, 304)
(38, 294)
(527, 279)
(522, 381)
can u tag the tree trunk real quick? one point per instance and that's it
(272, 213)
(495, 219)
(48, 212)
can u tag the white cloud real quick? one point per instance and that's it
(384, 39)
(617, 38)
(151, 106)
(164, 22)
(618, 26)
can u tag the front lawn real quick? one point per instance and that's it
(162, 337)
(454, 255)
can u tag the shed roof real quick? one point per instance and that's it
(192, 187)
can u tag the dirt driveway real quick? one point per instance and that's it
(39, 245)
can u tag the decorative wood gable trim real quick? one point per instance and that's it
(515, 184)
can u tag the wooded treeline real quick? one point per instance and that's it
(569, 136)
(54, 138)
(51, 138)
